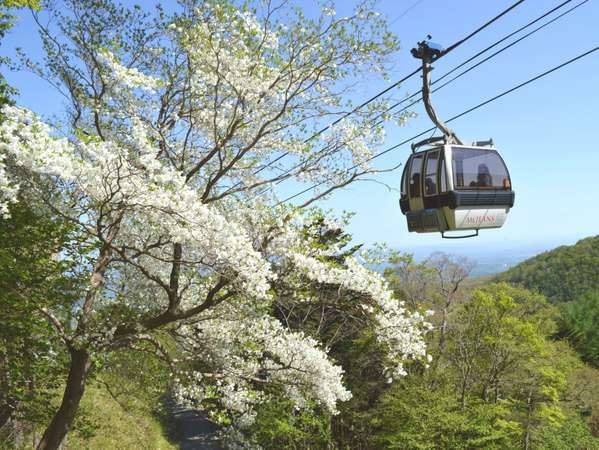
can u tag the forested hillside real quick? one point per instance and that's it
(562, 274)
(569, 277)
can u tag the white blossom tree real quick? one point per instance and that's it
(162, 165)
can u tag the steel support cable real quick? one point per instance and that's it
(384, 91)
(296, 166)
(457, 116)
(501, 50)
(470, 68)
(481, 28)
(406, 11)
(507, 36)
(491, 56)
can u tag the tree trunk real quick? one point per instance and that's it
(465, 377)
(528, 420)
(484, 392)
(63, 419)
(443, 327)
(6, 411)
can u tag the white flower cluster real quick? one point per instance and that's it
(400, 330)
(360, 139)
(329, 11)
(237, 76)
(241, 345)
(243, 348)
(127, 77)
(230, 52)
(397, 328)
(300, 364)
(155, 196)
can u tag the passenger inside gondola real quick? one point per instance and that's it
(478, 169)
(415, 186)
(483, 178)
(430, 188)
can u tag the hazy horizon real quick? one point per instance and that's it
(492, 257)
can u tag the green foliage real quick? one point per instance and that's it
(413, 416)
(320, 236)
(339, 321)
(494, 330)
(134, 379)
(570, 434)
(562, 274)
(280, 425)
(6, 19)
(31, 357)
(568, 276)
(123, 404)
(498, 344)
(579, 322)
(122, 407)
(364, 361)
(500, 380)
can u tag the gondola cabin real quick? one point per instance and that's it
(455, 188)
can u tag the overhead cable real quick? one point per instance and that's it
(298, 165)
(457, 116)
(392, 86)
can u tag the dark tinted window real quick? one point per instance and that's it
(478, 169)
(415, 174)
(430, 173)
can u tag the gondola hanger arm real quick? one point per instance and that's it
(428, 52)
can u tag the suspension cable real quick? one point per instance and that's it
(457, 116)
(491, 56)
(384, 91)
(503, 39)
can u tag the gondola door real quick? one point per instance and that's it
(415, 182)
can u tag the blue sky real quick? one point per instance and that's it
(547, 131)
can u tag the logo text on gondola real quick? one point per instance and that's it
(480, 220)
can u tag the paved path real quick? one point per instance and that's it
(194, 430)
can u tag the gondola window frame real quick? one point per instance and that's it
(436, 173)
(441, 173)
(412, 187)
